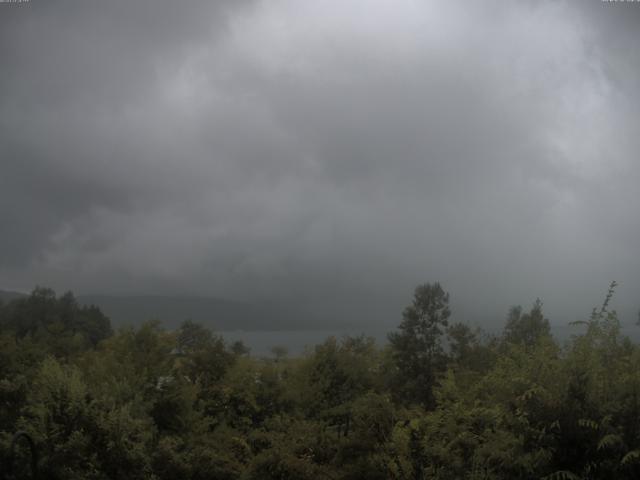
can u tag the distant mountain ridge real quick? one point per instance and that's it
(8, 295)
(217, 314)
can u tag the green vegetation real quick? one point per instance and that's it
(439, 401)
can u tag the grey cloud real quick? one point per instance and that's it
(302, 150)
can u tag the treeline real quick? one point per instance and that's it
(439, 401)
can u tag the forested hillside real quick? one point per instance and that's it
(438, 401)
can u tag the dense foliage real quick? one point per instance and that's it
(440, 401)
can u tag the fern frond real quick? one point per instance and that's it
(588, 423)
(610, 440)
(562, 475)
(631, 457)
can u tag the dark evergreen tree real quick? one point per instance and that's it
(526, 329)
(417, 346)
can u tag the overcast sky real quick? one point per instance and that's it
(325, 152)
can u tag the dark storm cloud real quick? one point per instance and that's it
(310, 151)
(72, 72)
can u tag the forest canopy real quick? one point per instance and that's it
(439, 400)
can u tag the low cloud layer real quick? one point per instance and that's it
(330, 153)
